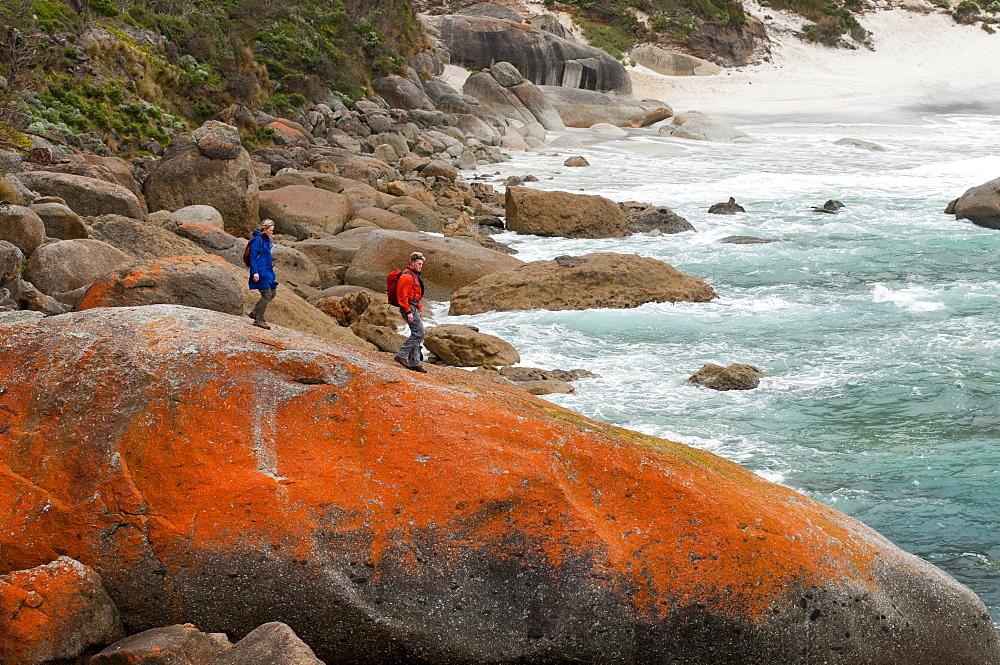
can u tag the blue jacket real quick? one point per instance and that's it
(260, 262)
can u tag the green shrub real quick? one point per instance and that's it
(285, 103)
(107, 8)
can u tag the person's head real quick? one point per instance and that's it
(267, 226)
(416, 261)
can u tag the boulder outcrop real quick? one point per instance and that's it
(188, 176)
(697, 126)
(563, 214)
(21, 227)
(67, 265)
(143, 241)
(272, 643)
(477, 42)
(980, 205)
(178, 644)
(60, 221)
(195, 281)
(54, 613)
(451, 263)
(602, 280)
(301, 211)
(670, 63)
(583, 108)
(85, 196)
(645, 218)
(216, 473)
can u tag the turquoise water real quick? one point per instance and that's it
(878, 328)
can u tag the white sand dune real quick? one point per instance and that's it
(923, 64)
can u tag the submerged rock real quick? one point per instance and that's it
(734, 377)
(980, 205)
(730, 207)
(217, 473)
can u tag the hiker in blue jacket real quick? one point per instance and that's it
(262, 275)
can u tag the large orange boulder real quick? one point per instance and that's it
(54, 612)
(301, 211)
(224, 475)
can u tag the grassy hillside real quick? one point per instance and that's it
(130, 71)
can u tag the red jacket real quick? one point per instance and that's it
(408, 289)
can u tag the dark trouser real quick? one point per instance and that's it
(266, 296)
(410, 351)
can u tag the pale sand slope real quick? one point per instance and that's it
(923, 64)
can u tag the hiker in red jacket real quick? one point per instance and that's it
(409, 291)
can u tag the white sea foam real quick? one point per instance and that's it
(913, 299)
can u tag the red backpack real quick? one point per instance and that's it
(392, 286)
(246, 256)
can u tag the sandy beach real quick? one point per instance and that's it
(923, 64)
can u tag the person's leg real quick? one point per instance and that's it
(415, 357)
(266, 296)
(411, 346)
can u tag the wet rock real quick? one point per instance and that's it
(861, 145)
(465, 346)
(981, 205)
(731, 207)
(734, 377)
(697, 126)
(602, 280)
(544, 213)
(745, 240)
(576, 161)
(54, 612)
(645, 218)
(831, 207)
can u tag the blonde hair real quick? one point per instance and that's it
(267, 223)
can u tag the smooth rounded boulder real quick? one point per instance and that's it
(736, 376)
(980, 205)
(60, 221)
(451, 263)
(465, 346)
(592, 281)
(216, 473)
(187, 176)
(545, 213)
(301, 211)
(584, 108)
(195, 281)
(67, 265)
(54, 612)
(143, 241)
(85, 196)
(197, 214)
(21, 227)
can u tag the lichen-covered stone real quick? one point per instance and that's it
(217, 473)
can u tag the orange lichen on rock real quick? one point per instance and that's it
(224, 475)
(54, 612)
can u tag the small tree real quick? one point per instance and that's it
(18, 60)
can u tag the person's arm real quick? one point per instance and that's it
(254, 257)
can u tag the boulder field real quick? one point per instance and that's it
(229, 476)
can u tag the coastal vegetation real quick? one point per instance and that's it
(122, 74)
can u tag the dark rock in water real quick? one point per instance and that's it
(981, 205)
(731, 207)
(745, 240)
(950, 208)
(735, 377)
(576, 160)
(645, 217)
(832, 207)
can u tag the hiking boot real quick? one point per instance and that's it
(262, 324)
(402, 362)
(419, 368)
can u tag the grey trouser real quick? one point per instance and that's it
(410, 351)
(266, 296)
